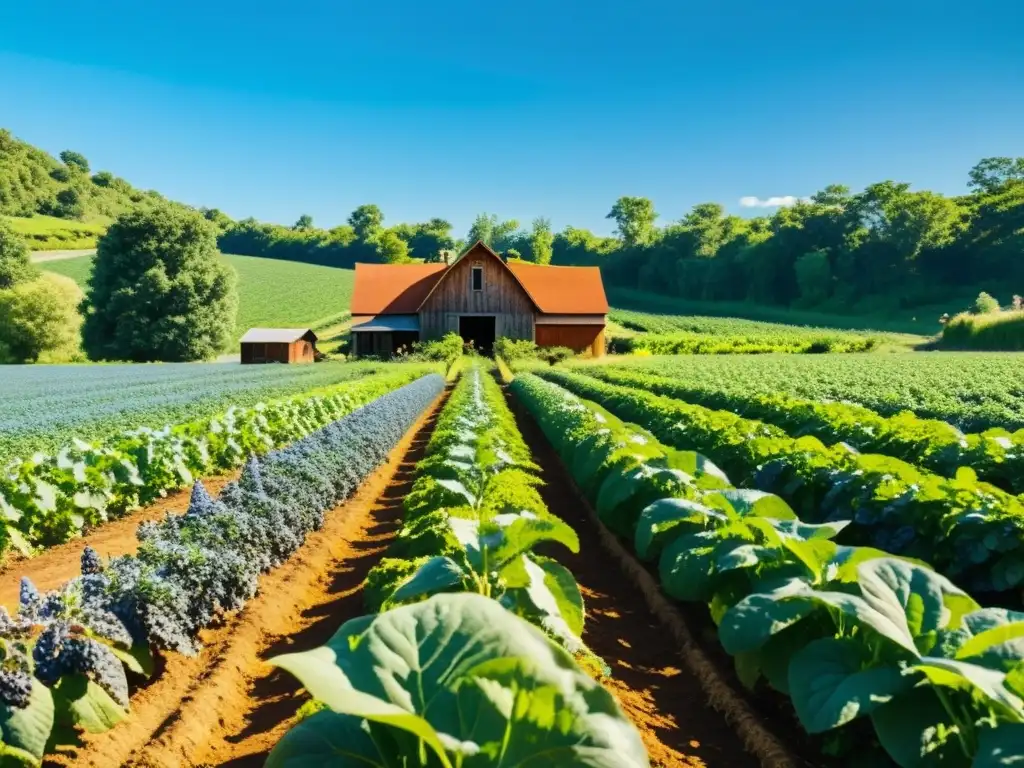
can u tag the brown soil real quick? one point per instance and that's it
(226, 706)
(659, 694)
(56, 565)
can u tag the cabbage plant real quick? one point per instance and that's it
(455, 681)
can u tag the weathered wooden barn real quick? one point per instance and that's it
(481, 297)
(279, 345)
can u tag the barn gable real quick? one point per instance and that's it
(480, 297)
(500, 294)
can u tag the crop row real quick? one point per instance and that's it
(858, 640)
(456, 663)
(972, 391)
(34, 400)
(49, 499)
(68, 655)
(996, 455)
(971, 532)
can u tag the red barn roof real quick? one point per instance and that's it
(393, 289)
(400, 289)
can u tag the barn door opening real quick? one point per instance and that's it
(478, 329)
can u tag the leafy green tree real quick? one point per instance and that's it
(15, 266)
(218, 218)
(814, 277)
(75, 161)
(493, 232)
(634, 220)
(391, 248)
(993, 172)
(39, 321)
(159, 290)
(304, 223)
(68, 204)
(367, 221)
(427, 241)
(103, 179)
(542, 240)
(61, 174)
(985, 305)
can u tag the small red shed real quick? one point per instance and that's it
(279, 345)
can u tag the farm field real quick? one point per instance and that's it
(317, 297)
(653, 558)
(662, 334)
(43, 407)
(973, 391)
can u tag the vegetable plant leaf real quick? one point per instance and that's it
(28, 729)
(831, 685)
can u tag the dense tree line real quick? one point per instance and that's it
(884, 248)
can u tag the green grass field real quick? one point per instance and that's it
(272, 293)
(46, 233)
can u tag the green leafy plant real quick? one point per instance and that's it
(452, 681)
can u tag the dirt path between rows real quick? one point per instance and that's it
(664, 700)
(54, 566)
(226, 706)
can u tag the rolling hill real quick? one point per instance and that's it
(316, 297)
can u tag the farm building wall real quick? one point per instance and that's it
(300, 351)
(578, 338)
(501, 296)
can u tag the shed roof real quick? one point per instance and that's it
(388, 323)
(400, 289)
(277, 335)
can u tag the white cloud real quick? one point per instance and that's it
(779, 201)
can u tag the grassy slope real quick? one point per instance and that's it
(47, 233)
(272, 293)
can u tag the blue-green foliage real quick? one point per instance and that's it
(190, 569)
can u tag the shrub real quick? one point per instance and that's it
(553, 355)
(15, 266)
(446, 349)
(159, 290)
(39, 321)
(75, 160)
(103, 179)
(999, 331)
(984, 305)
(67, 205)
(514, 349)
(61, 174)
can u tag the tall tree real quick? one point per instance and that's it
(367, 221)
(391, 248)
(427, 241)
(159, 290)
(492, 231)
(993, 172)
(304, 223)
(542, 240)
(634, 220)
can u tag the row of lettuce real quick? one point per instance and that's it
(996, 455)
(970, 531)
(881, 655)
(69, 658)
(49, 499)
(466, 658)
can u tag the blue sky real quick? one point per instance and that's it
(542, 107)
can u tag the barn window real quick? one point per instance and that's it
(478, 278)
